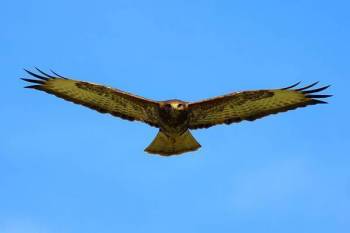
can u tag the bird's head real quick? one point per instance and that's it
(172, 105)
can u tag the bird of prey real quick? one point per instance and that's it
(175, 118)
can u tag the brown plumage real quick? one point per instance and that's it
(175, 118)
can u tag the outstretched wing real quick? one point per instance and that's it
(100, 98)
(251, 105)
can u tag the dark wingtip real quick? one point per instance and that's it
(316, 90)
(36, 75)
(33, 87)
(318, 96)
(312, 94)
(309, 86)
(27, 71)
(45, 76)
(43, 73)
(58, 74)
(33, 80)
(319, 101)
(294, 85)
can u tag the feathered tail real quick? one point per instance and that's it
(167, 146)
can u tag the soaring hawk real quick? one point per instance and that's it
(175, 118)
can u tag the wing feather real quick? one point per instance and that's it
(97, 97)
(252, 105)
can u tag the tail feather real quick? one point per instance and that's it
(167, 146)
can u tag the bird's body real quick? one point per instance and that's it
(174, 136)
(175, 118)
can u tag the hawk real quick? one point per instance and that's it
(175, 118)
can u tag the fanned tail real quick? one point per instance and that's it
(167, 146)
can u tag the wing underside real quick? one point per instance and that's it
(252, 105)
(97, 97)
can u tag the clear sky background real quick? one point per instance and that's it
(68, 169)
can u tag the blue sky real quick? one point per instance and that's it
(65, 169)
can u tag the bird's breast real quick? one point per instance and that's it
(174, 121)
